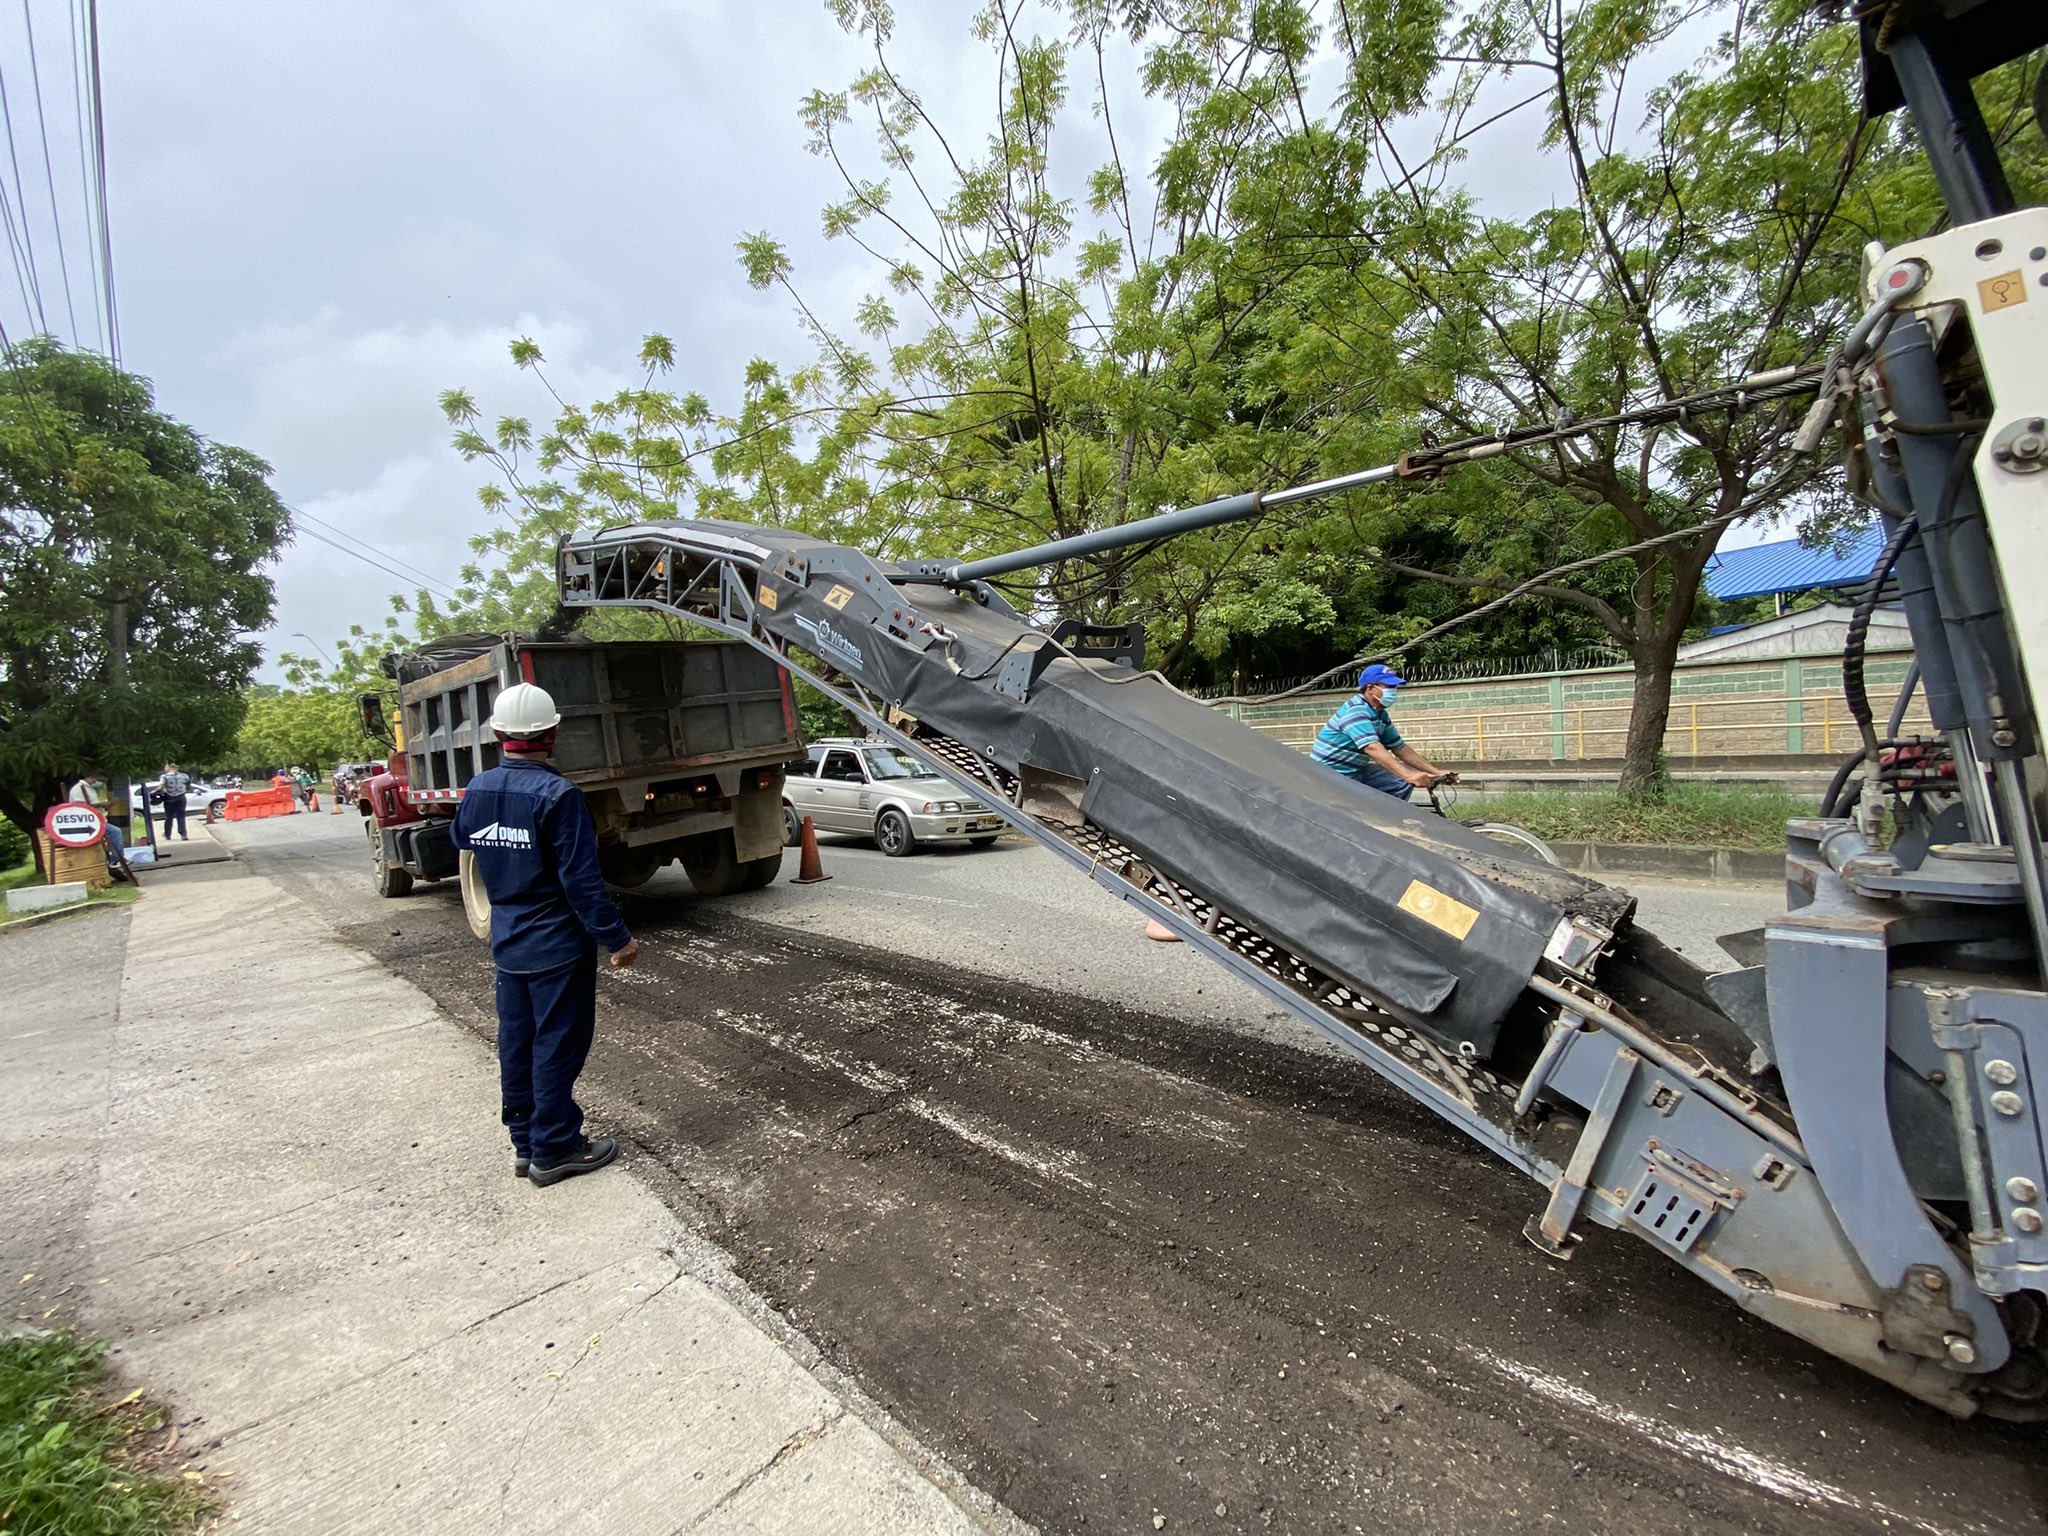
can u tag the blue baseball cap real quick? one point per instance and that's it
(1378, 676)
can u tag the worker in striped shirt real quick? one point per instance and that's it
(1360, 741)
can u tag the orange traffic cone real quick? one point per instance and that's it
(1159, 933)
(334, 807)
(312, 800)
(810, 869)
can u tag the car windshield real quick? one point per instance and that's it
(887, 763)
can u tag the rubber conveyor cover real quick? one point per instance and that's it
(1441, 924)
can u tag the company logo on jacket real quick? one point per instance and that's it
(498, 835)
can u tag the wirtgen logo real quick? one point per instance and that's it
(831, 644)
(498, 835)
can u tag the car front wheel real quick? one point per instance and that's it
(892, 833)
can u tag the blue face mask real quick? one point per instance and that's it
(1387, 696)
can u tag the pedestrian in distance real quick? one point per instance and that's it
(1360, 742)
(175, 786)
(532, 841)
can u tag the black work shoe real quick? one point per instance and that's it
(593, 1156)
(520, 1165)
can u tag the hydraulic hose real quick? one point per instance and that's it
(1830, 803)
(1857, 696)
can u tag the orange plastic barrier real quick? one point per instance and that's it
(249, 804)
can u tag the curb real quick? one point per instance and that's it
(37, 919)
(1750, 866)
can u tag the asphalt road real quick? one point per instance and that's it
(1129, 1249)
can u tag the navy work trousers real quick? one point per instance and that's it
(174, 811)
(1376, 777)
(545, 1022)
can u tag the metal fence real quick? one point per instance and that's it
(1724, 710)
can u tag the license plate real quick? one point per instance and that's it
(987, 823)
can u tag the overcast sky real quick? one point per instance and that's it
(325, 214)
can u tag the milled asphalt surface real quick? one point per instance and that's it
(265, 1170)
(1119, 1259)
(1017, 911)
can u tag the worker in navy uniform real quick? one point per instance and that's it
(535, 847)
(1360, 741)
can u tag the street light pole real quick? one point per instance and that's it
(302, 635)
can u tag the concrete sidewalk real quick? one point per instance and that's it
(271, 1179)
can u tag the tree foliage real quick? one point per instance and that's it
(1298, 281)
(314, 728)
(131, 551)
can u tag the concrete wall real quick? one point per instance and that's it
(1777, 707)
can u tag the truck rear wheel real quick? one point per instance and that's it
(709, 862)
(756, 873)
(476, 901)
(392, 879)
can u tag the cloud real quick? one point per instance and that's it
(349, 417)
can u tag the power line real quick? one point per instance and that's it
(35, 75)
(382, 554)
(24, 273)
(99, 148)
(433, 586)
(92, 259)
(21, 201)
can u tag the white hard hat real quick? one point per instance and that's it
(524, 710)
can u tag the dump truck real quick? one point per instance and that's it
(678, 747)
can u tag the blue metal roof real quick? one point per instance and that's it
(1789, 566)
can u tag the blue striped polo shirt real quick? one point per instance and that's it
(1342, 741)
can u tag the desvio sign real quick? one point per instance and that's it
(74, 824)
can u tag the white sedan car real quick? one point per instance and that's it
(868, 788)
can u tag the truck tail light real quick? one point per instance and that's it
(764, 778)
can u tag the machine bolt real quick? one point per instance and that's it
(2027, 1219)
(2022, 446)
(2022, 1189)
(2003, 738)
(2001, 1071)
(1960, 1350)
(2006, 1102)
(1934, 1280)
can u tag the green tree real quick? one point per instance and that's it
(1715, 232)
(130, 555)
(314, 728)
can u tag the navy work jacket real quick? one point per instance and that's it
(535, 846)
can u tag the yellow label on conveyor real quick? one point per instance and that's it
(767, 595)
(838, 597)
(1438, 910)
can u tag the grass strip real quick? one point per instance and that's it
(1691, 815)
(71, 1458)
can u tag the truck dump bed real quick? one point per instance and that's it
(629, 709)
